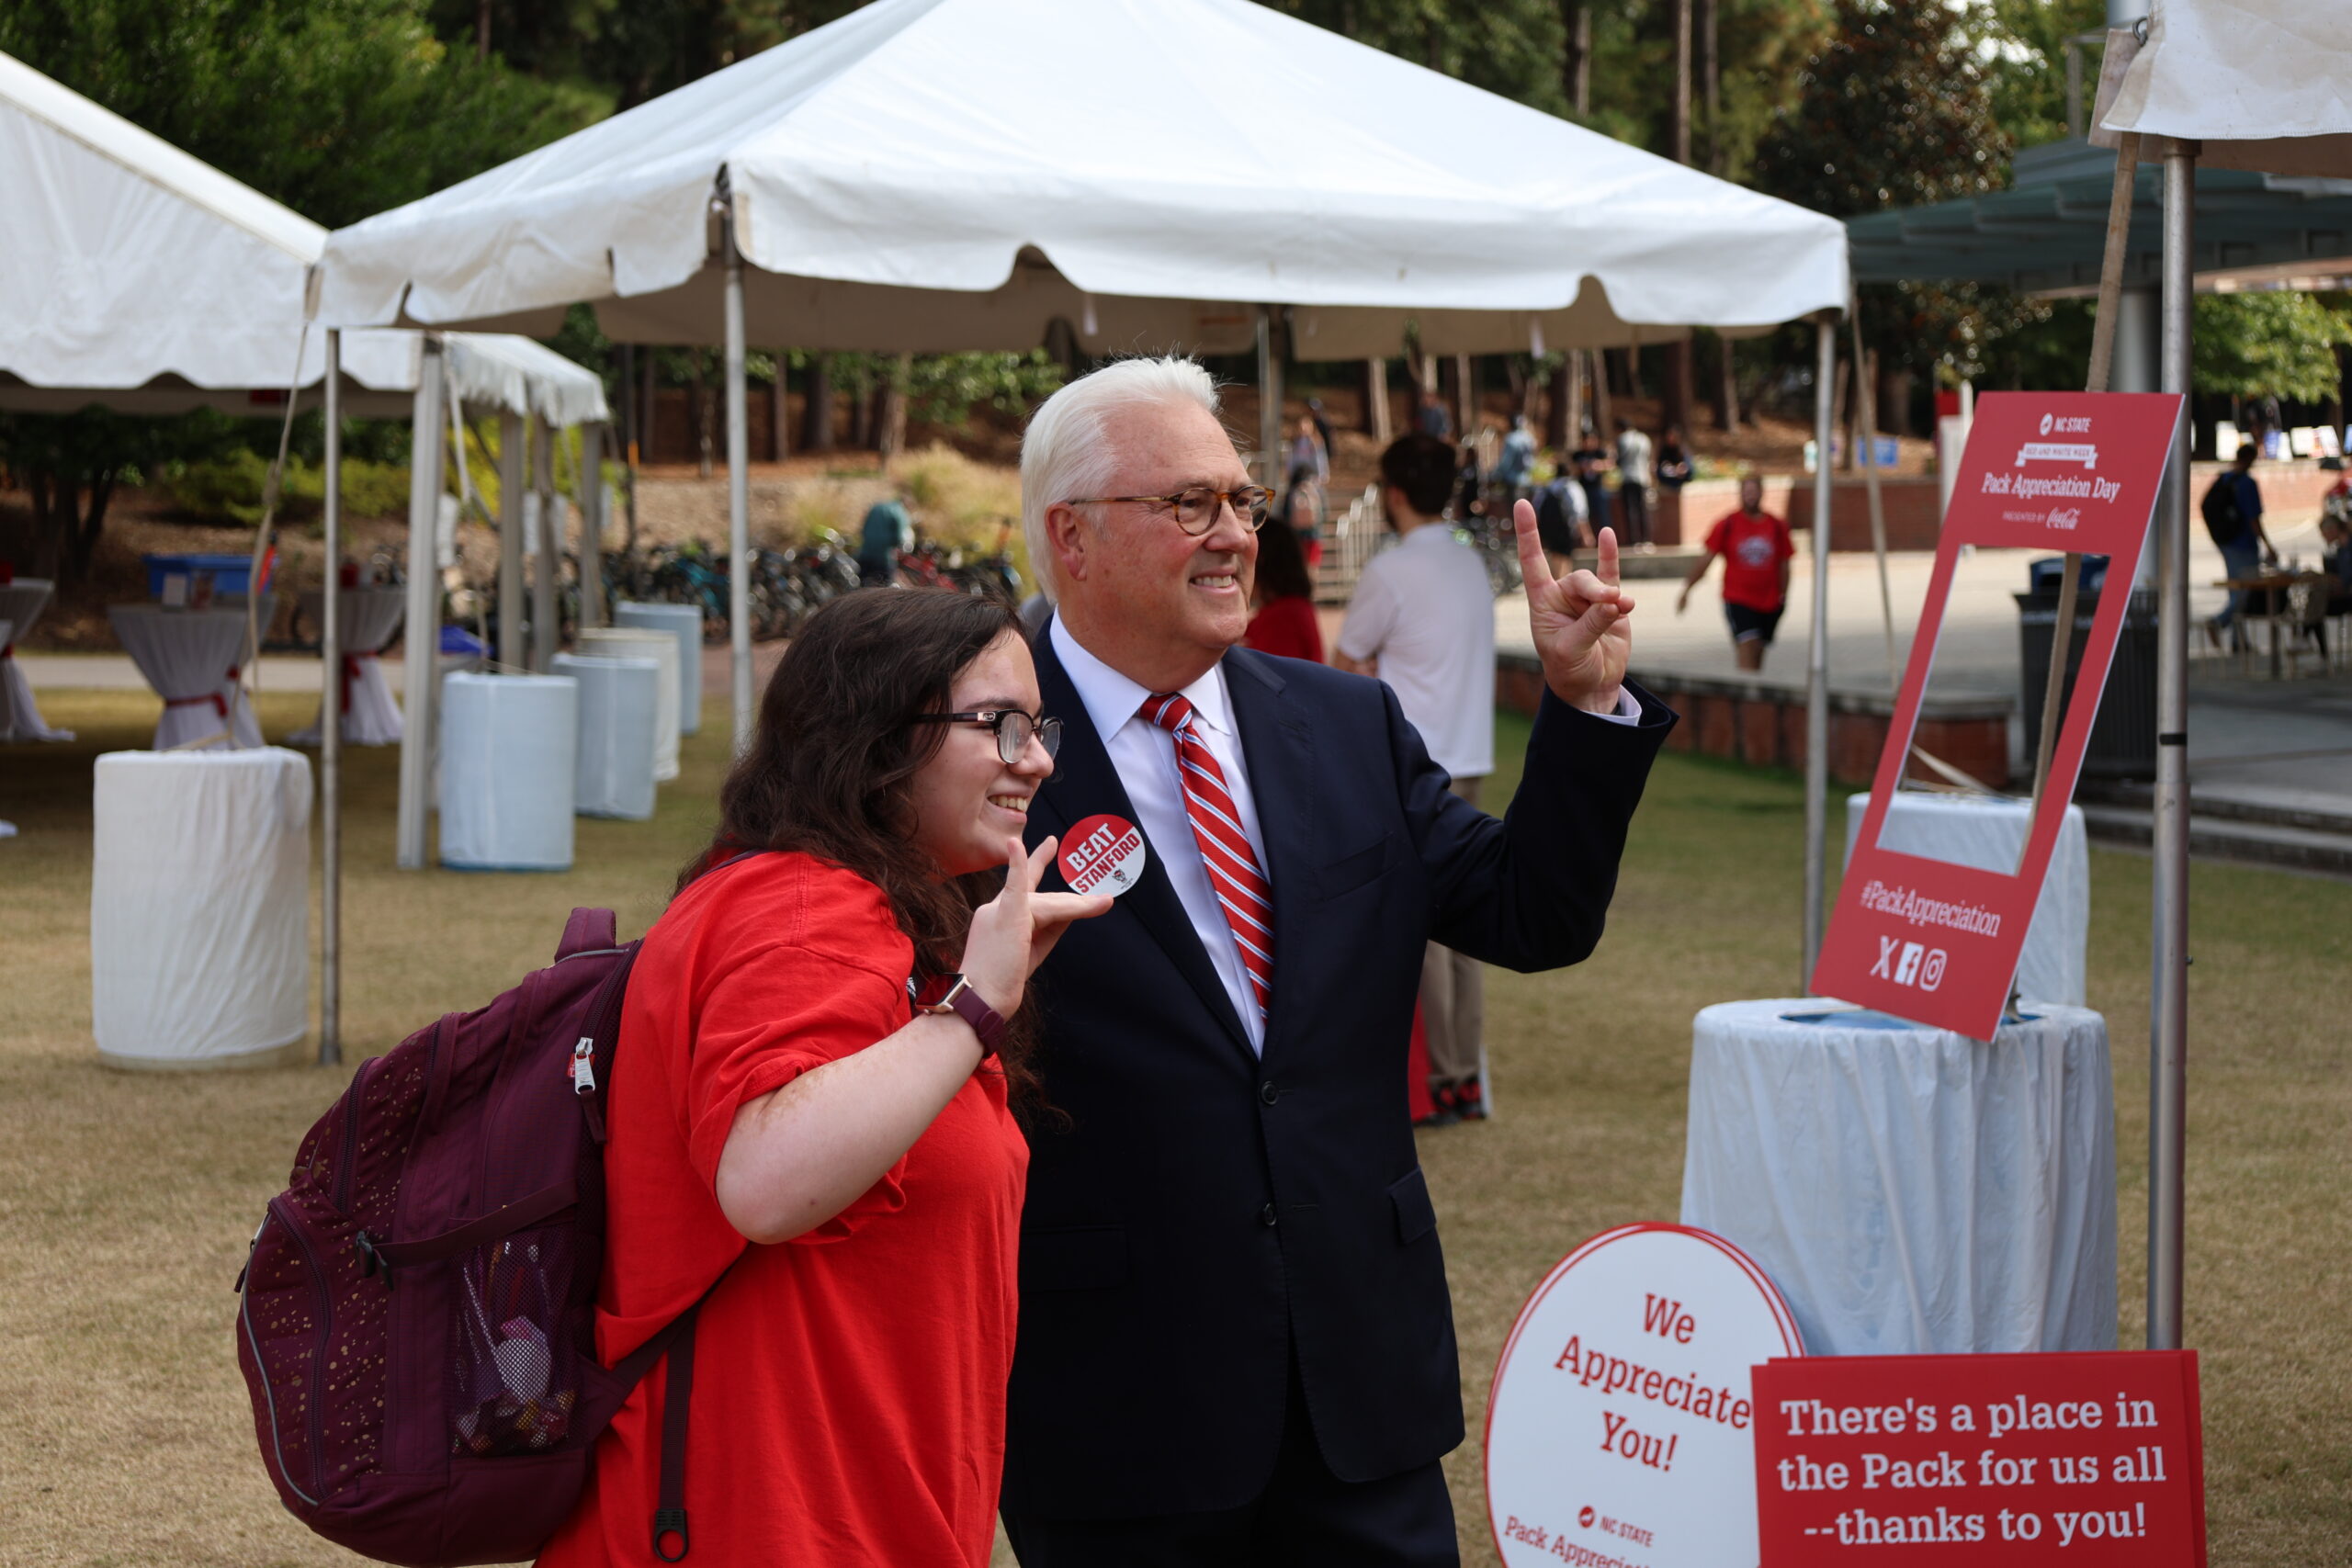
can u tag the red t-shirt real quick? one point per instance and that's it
(1287, 627)
(1753, 546)
(848, 1384)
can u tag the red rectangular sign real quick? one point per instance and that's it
(2075, 1461)
(1924, 939)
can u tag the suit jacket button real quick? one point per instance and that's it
(1268, 1093)
(1266, 1216)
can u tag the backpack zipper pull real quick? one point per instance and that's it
(583, 1067)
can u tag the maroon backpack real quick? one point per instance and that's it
(415, 1320)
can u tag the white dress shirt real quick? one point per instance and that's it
(1426, 612)
(1144, 757)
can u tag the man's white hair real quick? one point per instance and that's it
(1067, 451)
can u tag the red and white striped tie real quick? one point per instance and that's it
(1242, 888)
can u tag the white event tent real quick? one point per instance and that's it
(2258, 85)
(939, 174)
(137, 278)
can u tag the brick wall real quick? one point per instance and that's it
(1762, 723)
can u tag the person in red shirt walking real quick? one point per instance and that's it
(812, 1105)
(1756, 549)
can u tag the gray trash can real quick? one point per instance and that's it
(2123, 737)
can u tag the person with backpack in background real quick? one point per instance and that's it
(823, 1047)
(2232, 511)
(888, 532)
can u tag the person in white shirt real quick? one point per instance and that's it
(1423, 620)
(1633, 463)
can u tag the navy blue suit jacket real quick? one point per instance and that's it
(1207, 1214)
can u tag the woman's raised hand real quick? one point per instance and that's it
(1013, 932)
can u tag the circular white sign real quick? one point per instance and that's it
(1102, 854)
(1620, 1432)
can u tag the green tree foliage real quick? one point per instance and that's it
(2268, 345)
(1895, 112)
(634, 49)
(1892, 111)
(1510, 47)
(2021, 46)
(339, 108)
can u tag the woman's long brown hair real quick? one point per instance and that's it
(831, 768)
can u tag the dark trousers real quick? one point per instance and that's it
(1306, 1518)
(1634, 500)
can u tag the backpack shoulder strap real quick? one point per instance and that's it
(676, 1340)
(588, 930)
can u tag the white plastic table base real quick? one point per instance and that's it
(1909, 1189)
(201, 907)
(685, 623)
(508, 751)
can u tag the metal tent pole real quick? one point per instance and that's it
(331, 727)
(1270, 402)
(738, 502)
(1816, 688)
(2169, 1026)
(544, 616)
(421, 636)
(590, 484)
(513, 479)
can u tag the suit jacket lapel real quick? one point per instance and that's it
(1277, 748)
(1084, 784)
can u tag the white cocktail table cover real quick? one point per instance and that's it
(635, 642)
(371, 618)
(190, 658)
(21, 602)
(1909, 1189)
(201, 906)
(619, 701)
(685, 623)
(1989, 833)
(509, 744)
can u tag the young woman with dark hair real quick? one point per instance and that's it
(823, 1048)
(1284, 623)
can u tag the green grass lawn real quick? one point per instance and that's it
(127, 1197)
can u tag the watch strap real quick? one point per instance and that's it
(986, 1021)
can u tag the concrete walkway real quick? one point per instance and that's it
(2270, 761)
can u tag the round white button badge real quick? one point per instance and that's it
(1102, 854)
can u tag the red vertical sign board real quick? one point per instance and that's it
(1927, 940)
(2070, 1460)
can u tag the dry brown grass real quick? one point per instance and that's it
(126, 1198)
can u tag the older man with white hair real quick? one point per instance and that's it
(1236, 1345)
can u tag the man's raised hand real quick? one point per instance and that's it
(1578, 622)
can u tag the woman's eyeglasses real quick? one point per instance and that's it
(1196, 509)
(1013, 729)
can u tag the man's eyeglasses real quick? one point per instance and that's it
(1013, 728)
(1197, 509)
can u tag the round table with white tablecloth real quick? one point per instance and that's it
(1988, 833)
(662, 646)
(371, 618)
(510, 746)
(21, 602)
(685, 623)
(190, 658)
(199, 907)
(1909, 1189)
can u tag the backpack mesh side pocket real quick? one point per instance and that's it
(514, 1370)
